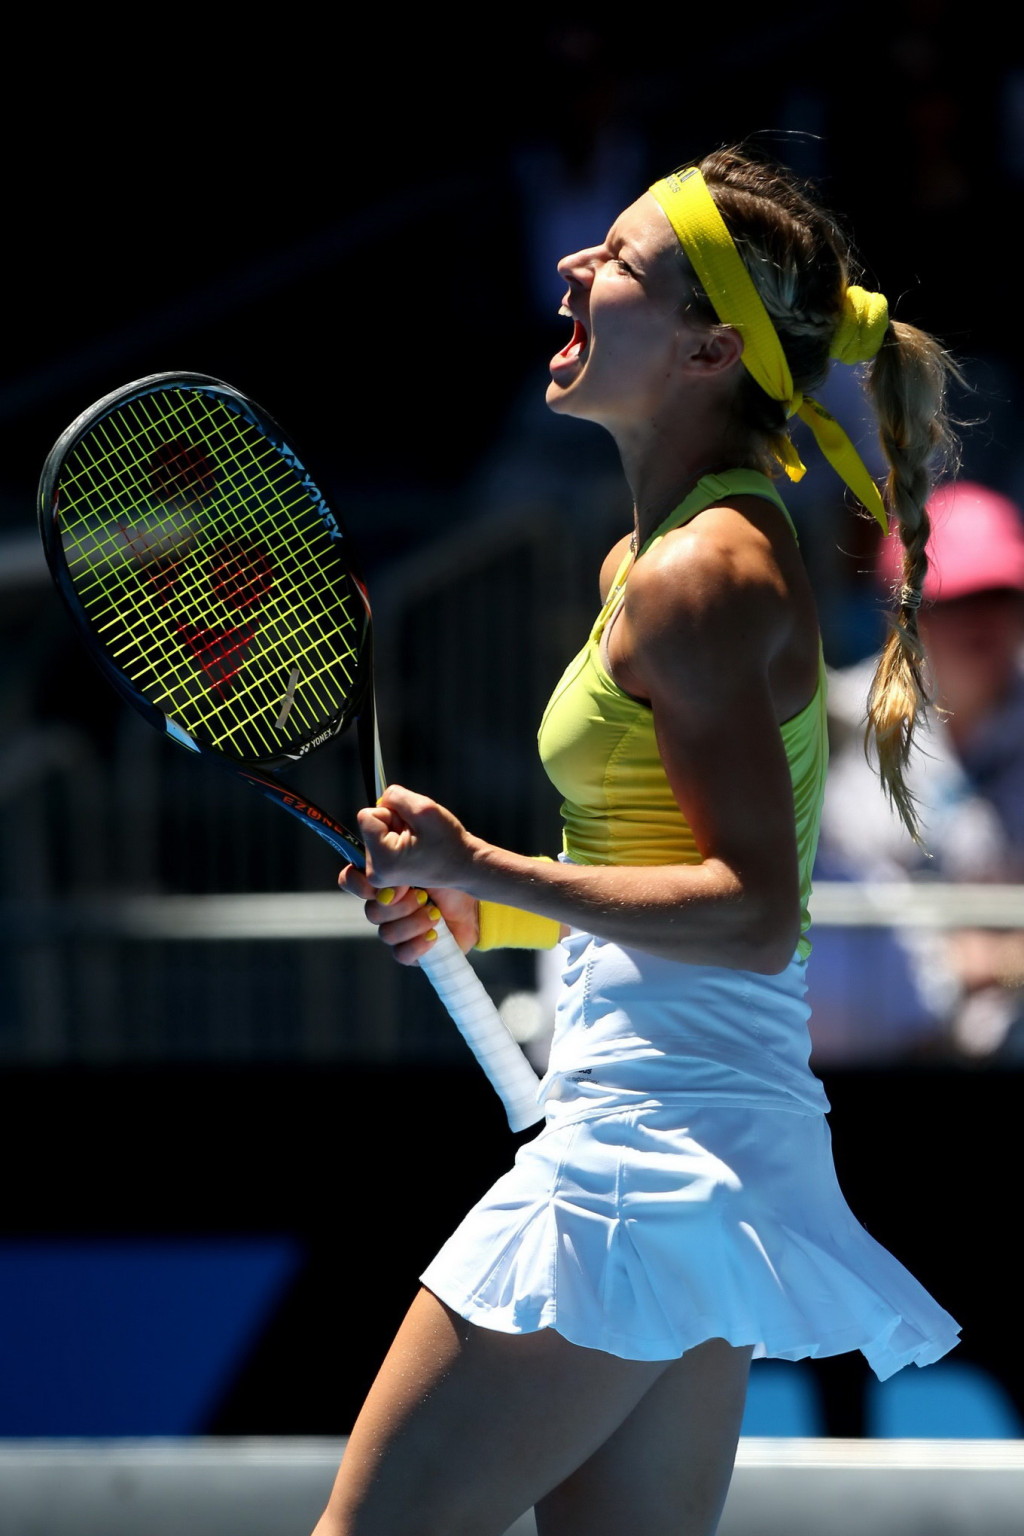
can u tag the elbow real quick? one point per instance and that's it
(749, 925)
(773, 963)
(766, 941)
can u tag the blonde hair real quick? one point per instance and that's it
(801, 263)
(908, 383)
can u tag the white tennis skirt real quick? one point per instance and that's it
(644, 1229)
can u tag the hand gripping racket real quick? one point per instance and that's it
(216, 588)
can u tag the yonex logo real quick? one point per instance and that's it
(318, 741)
(328, 518)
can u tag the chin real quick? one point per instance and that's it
(564, 402)
(554, 396)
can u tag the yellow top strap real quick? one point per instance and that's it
(703, 235)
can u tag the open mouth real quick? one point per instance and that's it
(575, 351)
(578, 344)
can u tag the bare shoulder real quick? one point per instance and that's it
(721, 609)
(732, 565)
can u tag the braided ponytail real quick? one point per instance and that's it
(908, 384)
(802, 266)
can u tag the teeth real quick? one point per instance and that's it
(565, 314)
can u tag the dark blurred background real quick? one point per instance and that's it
(227, 1155)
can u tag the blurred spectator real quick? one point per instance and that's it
(880, 994)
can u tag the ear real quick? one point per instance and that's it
(715, 352)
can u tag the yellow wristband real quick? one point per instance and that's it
(512, 928)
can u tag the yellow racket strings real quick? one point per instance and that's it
(154, 657)
(206, 570)
(235, 658)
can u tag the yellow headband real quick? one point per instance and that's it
(703, 235)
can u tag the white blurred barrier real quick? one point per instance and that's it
(277, 1487)
(304, 915)
(95, 975)
(98, 827)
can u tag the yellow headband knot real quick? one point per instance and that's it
(862, 328)
(701, 231)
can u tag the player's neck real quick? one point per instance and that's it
(663, 466)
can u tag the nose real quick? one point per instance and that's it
(578, 269)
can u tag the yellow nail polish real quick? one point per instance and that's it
(434, 913)
(386, 896)
(421, 897)
(431, 935)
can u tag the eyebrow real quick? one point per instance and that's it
(627, 247)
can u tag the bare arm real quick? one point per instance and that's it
(705, 614)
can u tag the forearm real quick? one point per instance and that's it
(740, 911)
(703, 914)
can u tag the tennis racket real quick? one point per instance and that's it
(216, 588)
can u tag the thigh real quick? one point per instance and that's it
(666, 1470)
(464, 1428)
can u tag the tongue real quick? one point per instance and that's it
(577, 344)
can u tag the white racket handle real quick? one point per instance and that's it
(483, 1029)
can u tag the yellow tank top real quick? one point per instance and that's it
(598, 745)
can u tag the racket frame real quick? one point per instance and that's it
(451, 974)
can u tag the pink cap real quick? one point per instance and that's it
(976, 543)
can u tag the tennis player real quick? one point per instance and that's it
(581, 1344)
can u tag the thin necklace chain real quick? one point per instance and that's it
(634, 538)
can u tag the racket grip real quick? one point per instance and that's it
(483, 1029)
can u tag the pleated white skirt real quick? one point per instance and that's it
(644, 1228)
(644, 1232)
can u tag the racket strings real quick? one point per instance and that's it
(201, 559)
(220, 651)
(242, 577)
